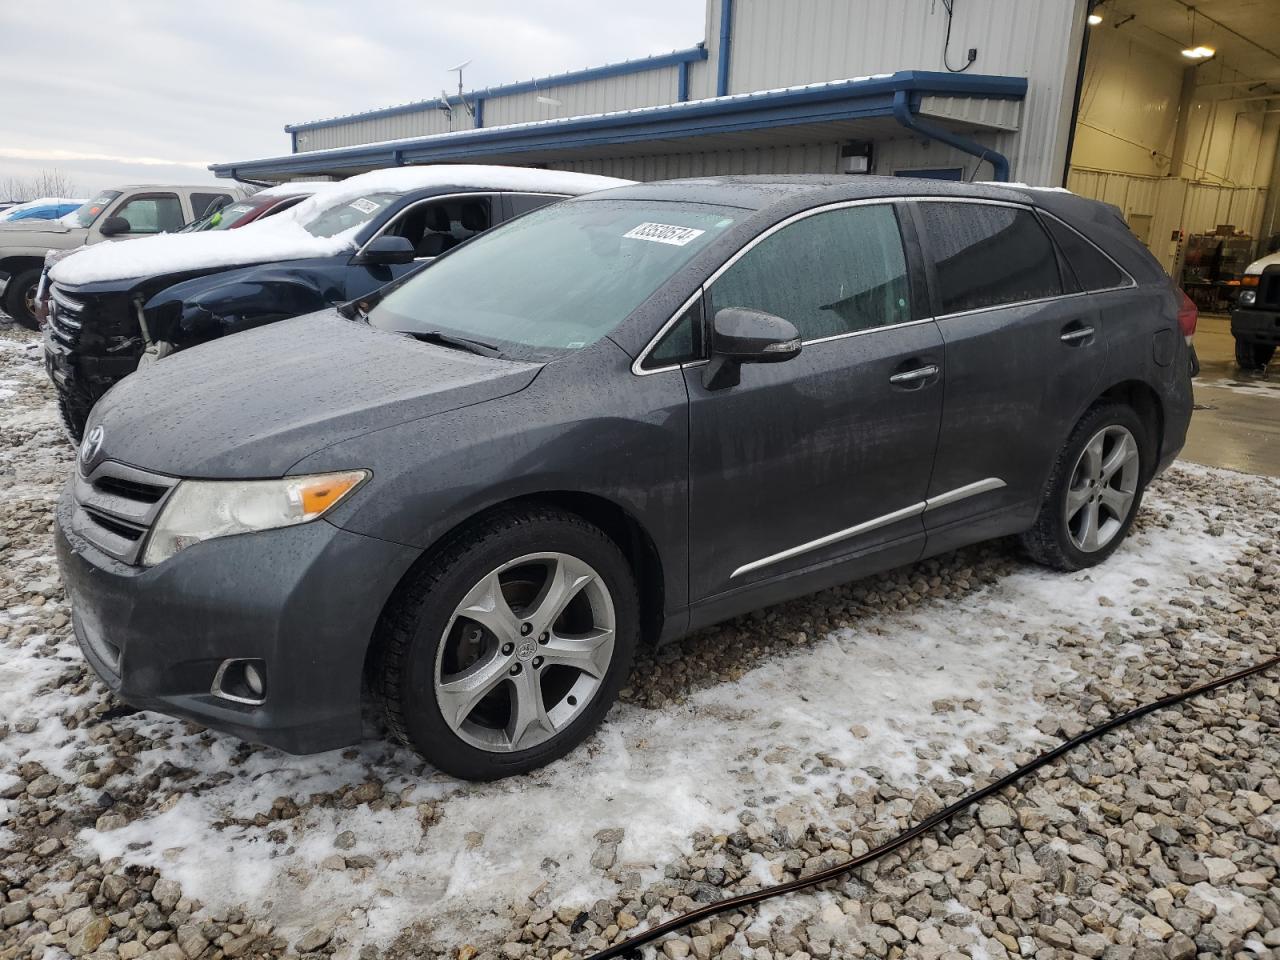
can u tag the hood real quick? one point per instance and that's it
(37, 226)
(263, 241)
(1272, 260)
(254, 404)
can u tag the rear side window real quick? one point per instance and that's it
(1091, 267)
(831, 273)
(987, 255)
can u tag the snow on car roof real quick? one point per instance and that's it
(284, 238)
(474, 176)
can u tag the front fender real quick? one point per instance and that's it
(210, 307)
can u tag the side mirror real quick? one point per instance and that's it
(388, 250)
(114, 226)
(741, 336)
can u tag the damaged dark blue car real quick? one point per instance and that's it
(117, 306)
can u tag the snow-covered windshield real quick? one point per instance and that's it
(90, 211)
(554, 280)
(344, 216)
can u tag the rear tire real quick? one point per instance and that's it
(1253, 356)
(20, 298)
(1094, 490)
(507, 649)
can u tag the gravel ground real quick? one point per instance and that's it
(758, 751)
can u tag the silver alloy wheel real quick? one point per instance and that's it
(525, 652)
(1104, 483)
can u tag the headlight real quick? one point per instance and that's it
(1248, 297)
(204, 509)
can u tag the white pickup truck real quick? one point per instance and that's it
(129, 211)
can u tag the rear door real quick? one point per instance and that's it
(805, 463)
(1024, 355)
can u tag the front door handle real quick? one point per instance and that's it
(1074, 334)
(919, 373)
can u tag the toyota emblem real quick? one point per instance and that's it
(91, 446)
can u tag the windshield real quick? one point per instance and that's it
(89, 212)
(555, 280)
(223, 218)
(344, 216)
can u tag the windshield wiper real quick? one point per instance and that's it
(458, 343)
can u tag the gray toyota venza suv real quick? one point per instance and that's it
(471, 496)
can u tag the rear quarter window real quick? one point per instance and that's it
(1092, 268)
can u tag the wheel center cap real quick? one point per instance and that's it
(525, 650)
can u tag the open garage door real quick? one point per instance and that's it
(1178, 125)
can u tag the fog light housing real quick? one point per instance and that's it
(241, 681)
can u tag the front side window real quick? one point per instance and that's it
(832, 273)
(87, 213)
(555, 280)
(987, 255)
(439, 225)
(156, 213)
(681, 343)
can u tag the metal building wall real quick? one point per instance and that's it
(626, 92)
(786, 42)
(778, 43)
(418, 123)
(814, 158)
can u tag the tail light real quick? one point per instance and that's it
(1188, 314)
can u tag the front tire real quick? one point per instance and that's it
(20, 298)
(1094, 490)
(1253, 356)
(74, 411)
(507, 649)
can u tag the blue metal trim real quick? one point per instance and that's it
(479, 117)
(722, 52)
(682, 83)
(659, 62)
(904, 114)
(850, 99)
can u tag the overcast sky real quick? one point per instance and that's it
(127, 91)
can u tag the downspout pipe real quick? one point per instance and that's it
(722, 54)
(902, 113)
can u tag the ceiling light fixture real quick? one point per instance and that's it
(1196, 51)
(1095, 19)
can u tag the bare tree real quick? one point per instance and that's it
(46, 183)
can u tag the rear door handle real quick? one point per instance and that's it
(1074, 334)
(919, 373)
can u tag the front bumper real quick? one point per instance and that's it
(304, 600)
(1256, 326)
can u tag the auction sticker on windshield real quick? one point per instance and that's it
(364, 206)
(664, 233)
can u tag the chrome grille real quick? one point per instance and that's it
(64, 316)
(116, 506)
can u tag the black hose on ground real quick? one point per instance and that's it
(832, 873)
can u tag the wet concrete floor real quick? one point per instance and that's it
(1236, 423)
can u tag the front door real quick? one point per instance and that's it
(827, 455)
